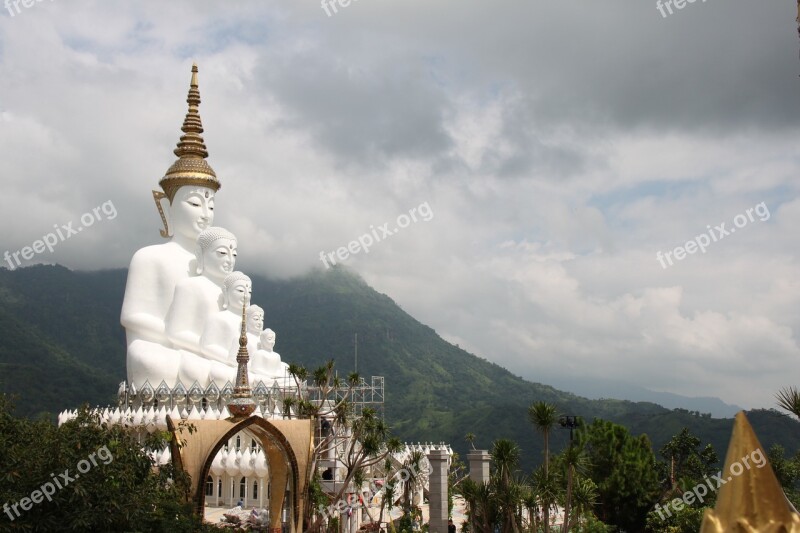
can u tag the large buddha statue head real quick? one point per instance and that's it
(255, 320)
(236, 291)
(216, 253)
(186, 204)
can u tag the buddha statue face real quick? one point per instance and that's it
(218, 258)
(267, 339)
(237, 289)
(255, 320)
(191, 211)
(239, 294)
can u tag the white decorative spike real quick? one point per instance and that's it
(261, 467)
(231, 467)
(165, 456)
(217, 468)
(160, 418)
(245, 465)
(136, 418)
(224, 414)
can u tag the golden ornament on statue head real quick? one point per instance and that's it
(191, 168)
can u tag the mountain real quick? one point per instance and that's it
(62, 345)
(597, 388)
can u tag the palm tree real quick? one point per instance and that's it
(531, 504)
(470, 437)
(543, 416)
(546, 489)
(584, 496)
(505, 454)
(387, 501)
(789, 399)
(481, 505)
(412, 466)
(576, 463)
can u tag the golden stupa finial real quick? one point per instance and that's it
(242, 403)
(191, 168)
(751, 499)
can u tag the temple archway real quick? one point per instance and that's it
(287, 444)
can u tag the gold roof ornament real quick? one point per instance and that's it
(242, 404)
(191, 168)
(751, 500)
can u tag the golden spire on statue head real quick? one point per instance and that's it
(751, 500)
(191, 168)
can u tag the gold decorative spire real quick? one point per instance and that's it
(191, 168)
(753, 501)
(242, 403)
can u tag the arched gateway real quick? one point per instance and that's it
(287, 444)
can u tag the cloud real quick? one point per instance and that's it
(560, 146)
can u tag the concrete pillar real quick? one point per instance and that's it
(479, 466)
(437, 486)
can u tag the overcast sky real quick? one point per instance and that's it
(559, 146)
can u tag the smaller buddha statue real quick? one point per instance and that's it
(266, 363)
(255, 324)
(196, 299)
(220, 340)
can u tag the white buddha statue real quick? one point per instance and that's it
(197, 299)
(266, 363)
(255, 324)
(186, 206)
(220, 340)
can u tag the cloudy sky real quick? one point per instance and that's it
(555, 148)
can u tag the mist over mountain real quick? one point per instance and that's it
(597, 388)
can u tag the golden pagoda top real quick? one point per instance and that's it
(752, 501)
(191, 168)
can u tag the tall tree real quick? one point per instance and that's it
(412, 466)
(359, 441)
(624, 469)
(686, 462)
(508, 491)
(481, 505)
(543, 416)
(574, 463)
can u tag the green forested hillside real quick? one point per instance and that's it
(61, 345)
